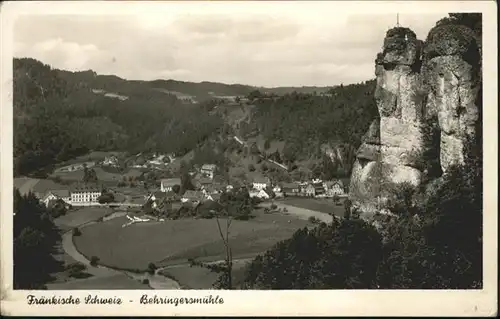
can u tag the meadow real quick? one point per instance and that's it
(79, 216)
(102, 176)
(323, 205)
(202, 278)
(174, 241)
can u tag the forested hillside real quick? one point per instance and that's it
(57, 116)
(306, 121)
(60, 114)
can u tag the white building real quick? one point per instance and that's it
(262, 194)
(166, 185)
(208, 170)
(260, 183)
(334, 188)
(85, 195)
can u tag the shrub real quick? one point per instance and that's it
(151, 268)
(75, 270)
(274, 206)
(145, 281)
(313, 220)
(94, 260)
(76, 231)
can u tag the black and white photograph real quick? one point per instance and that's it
(204, 146)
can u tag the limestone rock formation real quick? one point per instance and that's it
(427, 97)
(452, 78)
(392, 155)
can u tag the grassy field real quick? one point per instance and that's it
(172, 242)
(119, 281)
(102, 176)
(202, 278)
(92, 156)
(76, 217)
(321, 205)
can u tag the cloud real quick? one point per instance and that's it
(272, 48)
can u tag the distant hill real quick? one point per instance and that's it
(60, 114)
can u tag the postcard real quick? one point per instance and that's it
(249, 158)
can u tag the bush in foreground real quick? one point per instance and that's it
(94, 260)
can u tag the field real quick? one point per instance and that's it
(102, 176)
(76, 217)
(326, 206)
(91, 157)
(173, 242)
(119, 281)
(202, 278)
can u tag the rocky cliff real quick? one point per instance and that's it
(427, 98)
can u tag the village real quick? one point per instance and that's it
(131, 190)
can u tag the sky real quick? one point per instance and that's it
(274, 46)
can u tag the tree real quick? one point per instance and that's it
(186, 183)
(94, 260)
(336, 199)
(347, 208)
(151, 268)
(89, 175)
(106, 197)
(342, 255)
(267, 144)
(57, 208)
(176, 189)
(224, 269)
(35, 238)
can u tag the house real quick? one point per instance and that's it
(334, 188)
(54, 195)
(192, 196)
(262, 194)
(208, 170)
(210, 189)
(290, 189)
(203, 182)
(310, 190)
(260, 183)
(157, 197)
(110, 160)
(277, 188)
(212, 197)
(319, 190)
(303, 188)
(85, 194)
(166, 185)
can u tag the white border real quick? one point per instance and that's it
(269, 303)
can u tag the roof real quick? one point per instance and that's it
(170, 181)
(290, 185)
(193, 195)
(260, 179)
(332, 183)
(59, 192)
(208, 166)
(205, 181)
(85, 188)
(215, 197)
